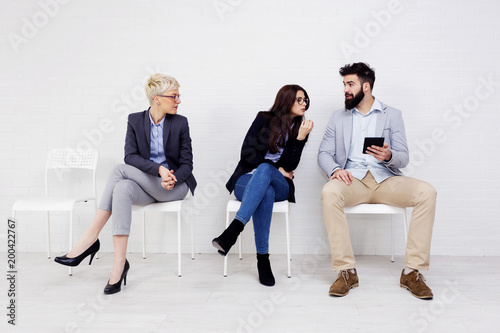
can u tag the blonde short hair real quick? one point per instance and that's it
(159, 83)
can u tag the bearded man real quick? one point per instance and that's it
(372, 176)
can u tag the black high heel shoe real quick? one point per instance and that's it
(114, 288)
(92, 250)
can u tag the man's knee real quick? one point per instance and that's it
(427, 191)
(332, 191)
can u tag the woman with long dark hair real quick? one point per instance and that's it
(271, 151)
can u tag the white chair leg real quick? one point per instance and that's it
(70, 237)
(192, 233)
(179, 243)
(405, 227)
(288, 254)
(392, 240)
(143, 235)
(48, 235)
(225, 258)
(95, 213)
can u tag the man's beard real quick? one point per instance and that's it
(353, 102)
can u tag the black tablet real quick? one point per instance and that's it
(373, 141)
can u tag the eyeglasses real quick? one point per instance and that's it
(175, 97)
(302, 101)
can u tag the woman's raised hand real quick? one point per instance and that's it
(305, 128)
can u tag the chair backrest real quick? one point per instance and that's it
(73, 159)
(60, 160)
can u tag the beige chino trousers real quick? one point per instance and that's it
(398, 191)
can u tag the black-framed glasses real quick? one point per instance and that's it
(302, 101)
(175, 97)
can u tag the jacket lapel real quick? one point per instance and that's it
(166, 131)
(381, 119)
(147, 127)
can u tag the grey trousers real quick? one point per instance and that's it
(128, 185)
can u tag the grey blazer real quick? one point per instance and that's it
(336, 142)
(176, 145)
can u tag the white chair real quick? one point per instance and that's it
(278, 207)
(59, 162)
(381, 209)
(165, 207)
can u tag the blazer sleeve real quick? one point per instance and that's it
(327, 149)
(132, 155)
(398, 145)
(185, 153)
(291, 154)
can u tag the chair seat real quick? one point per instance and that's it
(381, 209)
(374, 209)
(171, 206)
(278, 207)
(43, 204)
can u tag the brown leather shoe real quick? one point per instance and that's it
(415, 283)
(345, 281)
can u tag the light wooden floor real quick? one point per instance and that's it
(466, 289)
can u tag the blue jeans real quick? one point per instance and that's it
(257, 193)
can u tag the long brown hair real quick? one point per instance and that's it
(281, 123)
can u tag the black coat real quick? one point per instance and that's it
(256, 145)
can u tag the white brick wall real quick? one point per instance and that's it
(81, 63)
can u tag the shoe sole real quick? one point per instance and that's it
(219, 248)
(417, 296)
(340, 295)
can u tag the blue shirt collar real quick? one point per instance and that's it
(153, 123)
(376, 106)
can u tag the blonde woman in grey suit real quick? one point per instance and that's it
(158, 167)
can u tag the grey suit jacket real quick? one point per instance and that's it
(176, 145)
(334, 147)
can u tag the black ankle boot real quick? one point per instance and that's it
(227, 239)
(266, 276)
